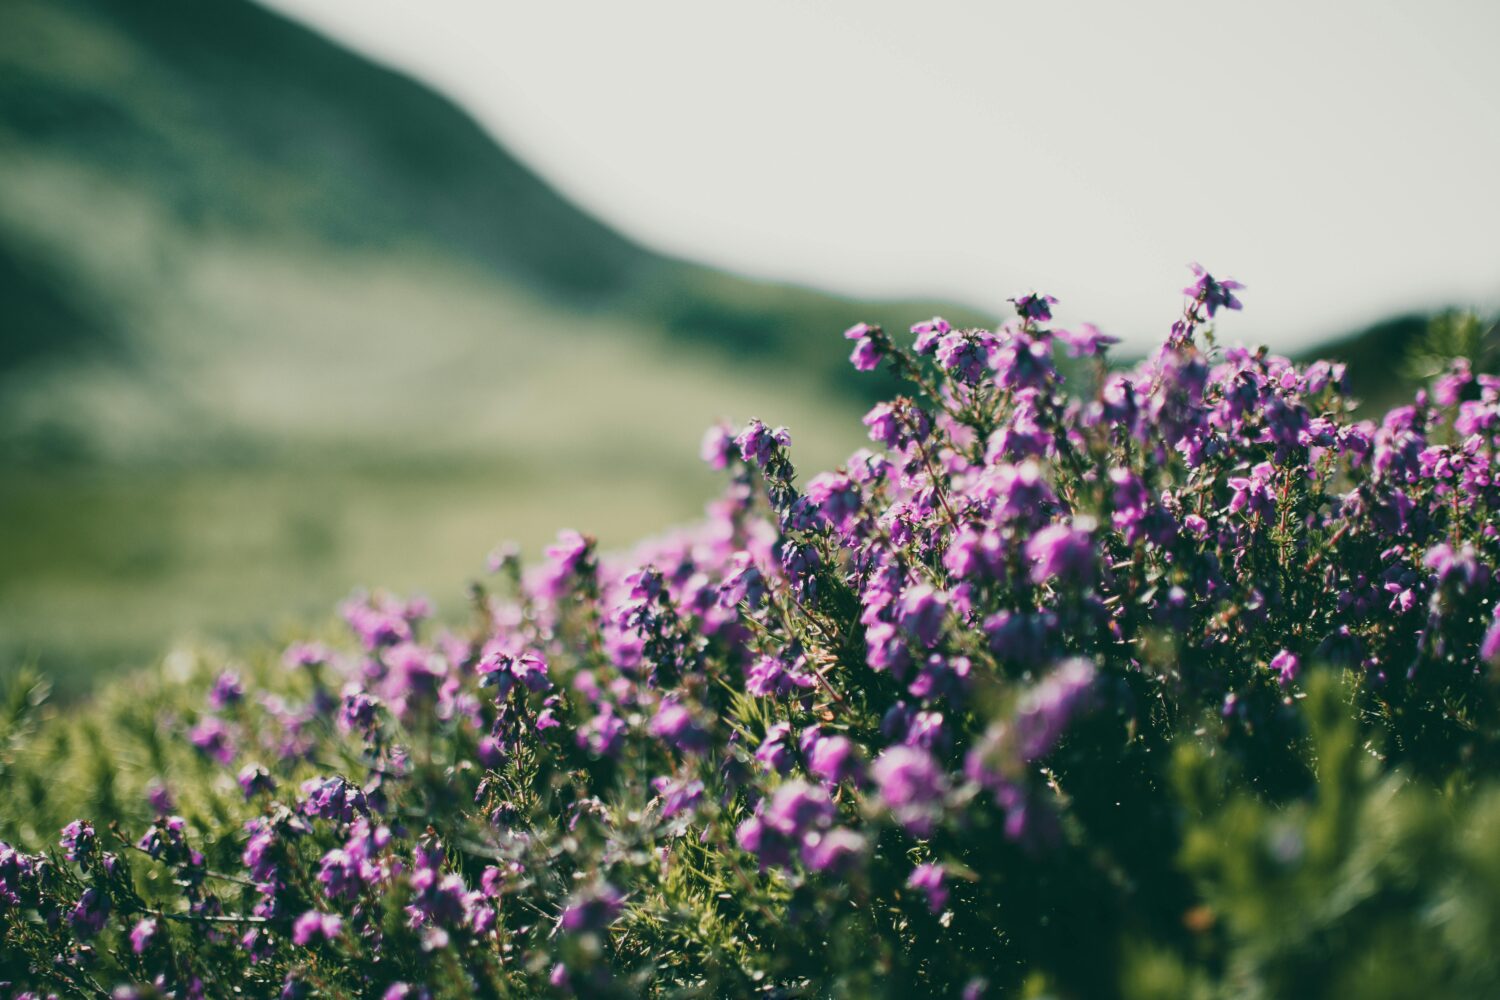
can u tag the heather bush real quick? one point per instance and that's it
(1168, 681)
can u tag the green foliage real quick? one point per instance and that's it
(1455, 334)
(1372, 885)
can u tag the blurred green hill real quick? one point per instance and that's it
(275, 321)
(183, 175)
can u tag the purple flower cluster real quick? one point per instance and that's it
(869, 692)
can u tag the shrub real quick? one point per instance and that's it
(1170, 681)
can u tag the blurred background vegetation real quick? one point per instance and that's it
(276, 322)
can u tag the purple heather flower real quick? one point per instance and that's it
(867, 348)
(675, 725)
(257, 945)
(912, 786)
(1320, 375)
(366, 842)
(897, 423)
(797, 806)
(78, 840)
(503, 672)
(884, 425)
(1046, 710)
(340, 874)
(800, 564)
(836, 497)
(414, 678)
(757, 441)
(360, 712)
(940, 676)
(926, 730)
(1286, 665)
(406, 991)
(314, 924)
(1213, 293)
(834, 852)
(142, 934)
(159, 797)
(973, 554)
(1458, 569)
(896, 721)
(503, 555)
(964, 354)
(212, 737)
(492, 882)
(754, 836)
(1448, 388)
(90, 913)
(1088, 341)
(1489, 647)
(927, 334)
(718, 446)
(922, 611)
(1130, 499)
(604, 734)
(333, 798)
(568, 557)
(677, 796)
(929, 878)
(1034, 307)
(254, 779)
(593, 909)
(1023, 361)
(774, 751)
(834, 759)
(569, 549)
(259, 856)
(306, 654)
(1024, 435)
(1018, 491)
(227, 690)
(1063, 552)
(378, 622)
(438, 900)
(744, 582)
(885, 650)
(1022, 639)
(490, 752)
(769, 676)
(547, 718)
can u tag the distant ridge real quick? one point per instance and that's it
(229, 121)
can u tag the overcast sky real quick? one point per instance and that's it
(1339, 158)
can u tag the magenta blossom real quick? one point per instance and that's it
(1211, 292)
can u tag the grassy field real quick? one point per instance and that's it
(378, 422)
(109, 569)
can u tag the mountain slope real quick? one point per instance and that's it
(233, 117)
(213, 120)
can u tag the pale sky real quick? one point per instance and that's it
(1340, 158)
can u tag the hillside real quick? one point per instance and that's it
(155, 153)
